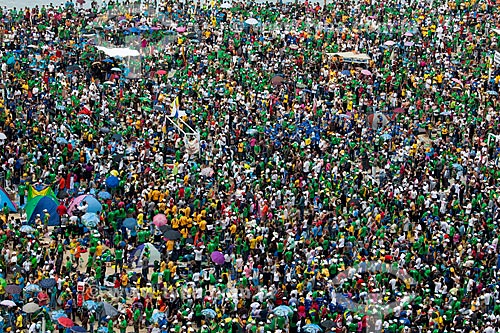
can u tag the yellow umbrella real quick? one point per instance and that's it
(114, 173)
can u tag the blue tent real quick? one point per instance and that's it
(4, 199)
(37, 205)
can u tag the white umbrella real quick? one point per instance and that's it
(251, 21)
(3, 136)
(226, 5)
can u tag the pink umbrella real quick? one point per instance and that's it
(372, 17)
(366, 72)
(389, 43)
(181, 29)
(161, 72)
(217, 257)
(66, 322)
(409, 44)
(456, 80)
(398, 110)
(159, 220)
(408, 34)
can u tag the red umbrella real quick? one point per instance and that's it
(399, 110)
(161, 72)
(65, 322)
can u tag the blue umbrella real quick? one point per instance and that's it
(492, 92)
(386, 136)
(78, 329)
(90, 220)
(104, 195)
(32, 288)
(144, 28)
(346, 72)
(312, 328)
(129, 223)
(108, 60)
(102, 329)
(55, 315)
(282, 311)
(133, 30)
(11, 61)
(61, 141)
(209, 313)
(158, 316)
(47, 283)
(90, 305)
(27, 229)
(112, 181)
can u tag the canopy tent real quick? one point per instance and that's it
(5, 199)
(136, 255)
(357, 58)
(38, 204)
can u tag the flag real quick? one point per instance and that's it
(174, 107)
(40, 190)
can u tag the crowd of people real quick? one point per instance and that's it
(258, 167)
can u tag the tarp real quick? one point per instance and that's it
(154, 254)
(5, 199)
(94, 205)
(119, 51)
(40, 190)
(352, 57)
(38, 204)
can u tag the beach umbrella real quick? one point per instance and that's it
(130, 223)
(217, 257)
(90, 220)
(31, 307)
(457, 166)
(32, 288)
(159, 220)
(47, 283)
(172, 234)
(8, 303)
(251, 21)
(27, 229)
(116, 69)
(283, 311)
(13, 289)
(209, 313)
(312, 328)
(78, 329)
(65, 322)
(112, 181)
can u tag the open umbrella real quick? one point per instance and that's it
(409, 44)
(78, 329)
(386, 136)
(47, 283)
(157, 317)
(90, 305)
(172, 234)
(346, 72)
(366, 72)
(31, 307)
(90, 220)
(7, 303)
(32, 288)
(181, 29)
(130, 223)
(104, 195)
(65, 322)
(209, 313)
(389, 43)
(226, 5)
(112, 181)
(55, 315)
(159, 220)
(312, 328)
(217, 257)
(327, 324)
(61, 141)
(208, 172)
(251, 21)
(282, 311)
(277, 80)
(398, 110)
(27, 229)
(161, 72)
(110, 310)
(13, 289)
